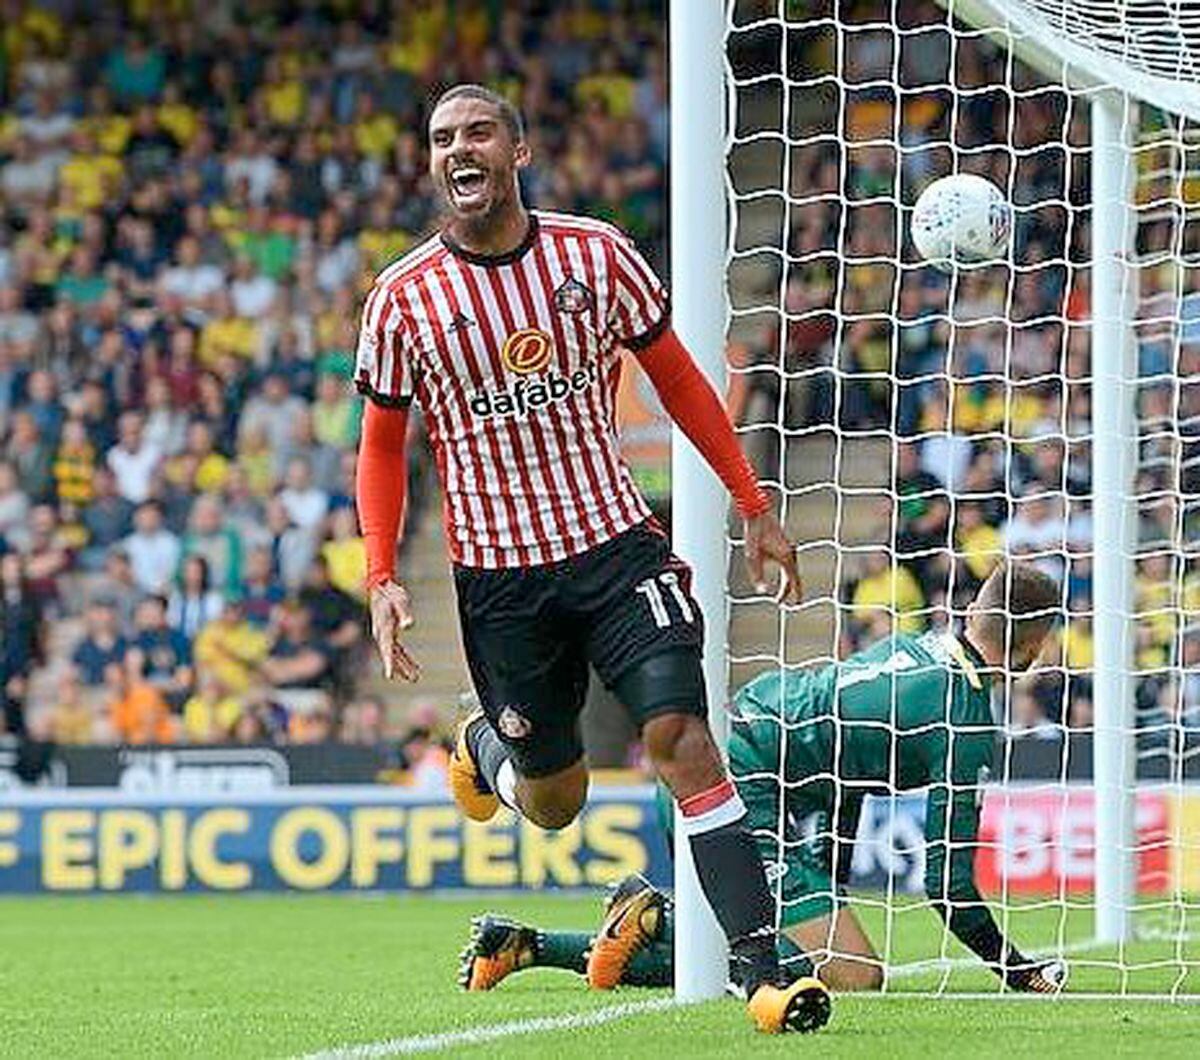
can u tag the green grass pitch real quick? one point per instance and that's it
(292, 975)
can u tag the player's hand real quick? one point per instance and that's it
(391, 614)
(1036, 977)
(765, 540)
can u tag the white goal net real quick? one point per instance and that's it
(918, 426)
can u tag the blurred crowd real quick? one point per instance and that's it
(192, 207)
(980, 386)
(193, 202)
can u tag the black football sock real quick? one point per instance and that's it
(793, 960)
(487, 750)
(732, 878)
(562, 949)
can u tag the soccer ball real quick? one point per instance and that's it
(963, 220)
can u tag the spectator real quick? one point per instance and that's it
(306, 504)
(273, 411)
(101, 645)
(138, 712)
(133, 459)
(47, 557)
(888, 597)
(192, 280)
(230, 649)
(256, 461)
(135, 72)
(249, 161)
(14, 507)
(362, 722)
(253, 293)
(153, 550)
(262, 591)
(299, 666)
(426, 759)
(115, 585)
(166, 425)
(292, 547)
(95, 408)
(226, 334)
(208, 536)
(41, 401)
(195, 603)
(73, 718)
(165, 652)
(27, 179)
(324, 461)
(345, 554)
(75, 465)
(17, 324)
(200, 468)
(20, 641)
(243, 508)
(107, 518)
(32, 457)
(944, 454)
(336, 416)
(211, 714)
(291, 358)
(979, 543)
(924, 512)
(337, 619)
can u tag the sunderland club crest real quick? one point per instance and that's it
(574, 297)
(513, 725)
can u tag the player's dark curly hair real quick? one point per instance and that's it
(1017, 605)
(508, 113)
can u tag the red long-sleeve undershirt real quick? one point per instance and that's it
(684, 390)
(691, 402)
(379, 487)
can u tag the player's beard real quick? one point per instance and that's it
(478, 225)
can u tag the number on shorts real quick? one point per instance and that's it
(653, 593)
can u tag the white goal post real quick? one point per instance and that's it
(1110, 58)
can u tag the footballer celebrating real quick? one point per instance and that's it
(907, 712)
(508, 328)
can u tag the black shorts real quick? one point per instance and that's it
(625, 607)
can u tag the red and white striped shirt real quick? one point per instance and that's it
(515, 362)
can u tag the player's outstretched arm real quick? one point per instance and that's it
(691, 402)
(952, 825)
(379, 489)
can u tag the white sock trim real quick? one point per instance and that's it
(506, 785)
(728, 812)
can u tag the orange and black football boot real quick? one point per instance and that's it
(471, 792)
(497, 948)
(633, 918)
(801, 1006)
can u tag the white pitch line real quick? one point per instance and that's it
(431, 1043)
(943, 964)
(1041, 999)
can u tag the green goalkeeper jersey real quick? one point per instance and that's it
(907, 712)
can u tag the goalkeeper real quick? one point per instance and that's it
(908, 712)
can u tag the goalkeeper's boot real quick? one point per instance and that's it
(633, 918)
(472, 794)
(801, 1006)
(497, 947)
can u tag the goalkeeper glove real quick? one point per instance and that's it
(1032, 977)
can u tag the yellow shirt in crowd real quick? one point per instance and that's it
(896, 589)
(231, 651)
(347, 564)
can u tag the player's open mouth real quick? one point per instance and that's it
(467, 185)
